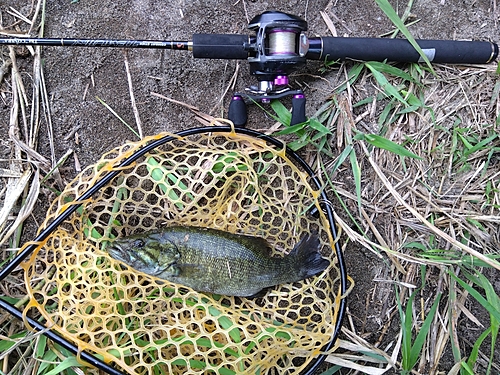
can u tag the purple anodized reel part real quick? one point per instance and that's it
(281, 80)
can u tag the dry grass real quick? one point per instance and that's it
(441, 211)
(426, 219)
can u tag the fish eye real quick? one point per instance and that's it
(139, 243)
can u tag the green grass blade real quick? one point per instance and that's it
(41, 346)
(226, 323)
(480, 145)
(117, 116)
(225, 371)
(294, 129)
(414, 102)
(332, 370)
(167, 181)
(479, 298)
(393, 16)
(406, 320)
(424, 330)
(319, 127)
(467, 368)
(193, 363)
(471, 361)
(392, 70)
(46, 362)
(352, 76)
(386, 144)
(65, 365)
(388, 88)
(227, 159)
(284, 115)
(6, 344)
(494, 299)
(341, 158)
(356, 171)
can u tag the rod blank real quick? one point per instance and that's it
(69, 42)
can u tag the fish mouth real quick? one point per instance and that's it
(129, 258)
(118, 253)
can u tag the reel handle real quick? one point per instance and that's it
(400, 50)
(237, 112)
(298, 109)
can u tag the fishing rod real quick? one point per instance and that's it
(279, 46)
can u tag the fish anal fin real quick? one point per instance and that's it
(260, 293)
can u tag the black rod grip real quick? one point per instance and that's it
(220, 46)
(400, 50)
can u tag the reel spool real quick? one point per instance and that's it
(282, 42)
(236, 180)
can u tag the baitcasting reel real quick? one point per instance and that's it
(279, 46)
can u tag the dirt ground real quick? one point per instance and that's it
(76, 77)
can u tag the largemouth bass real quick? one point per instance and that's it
(214, 261)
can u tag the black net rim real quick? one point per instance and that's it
(29, 247)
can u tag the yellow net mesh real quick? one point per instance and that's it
(144, 325)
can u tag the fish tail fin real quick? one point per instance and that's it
(307, 256)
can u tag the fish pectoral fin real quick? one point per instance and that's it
(189, 267)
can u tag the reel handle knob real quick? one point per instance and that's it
(237, 112)
(298, 109)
